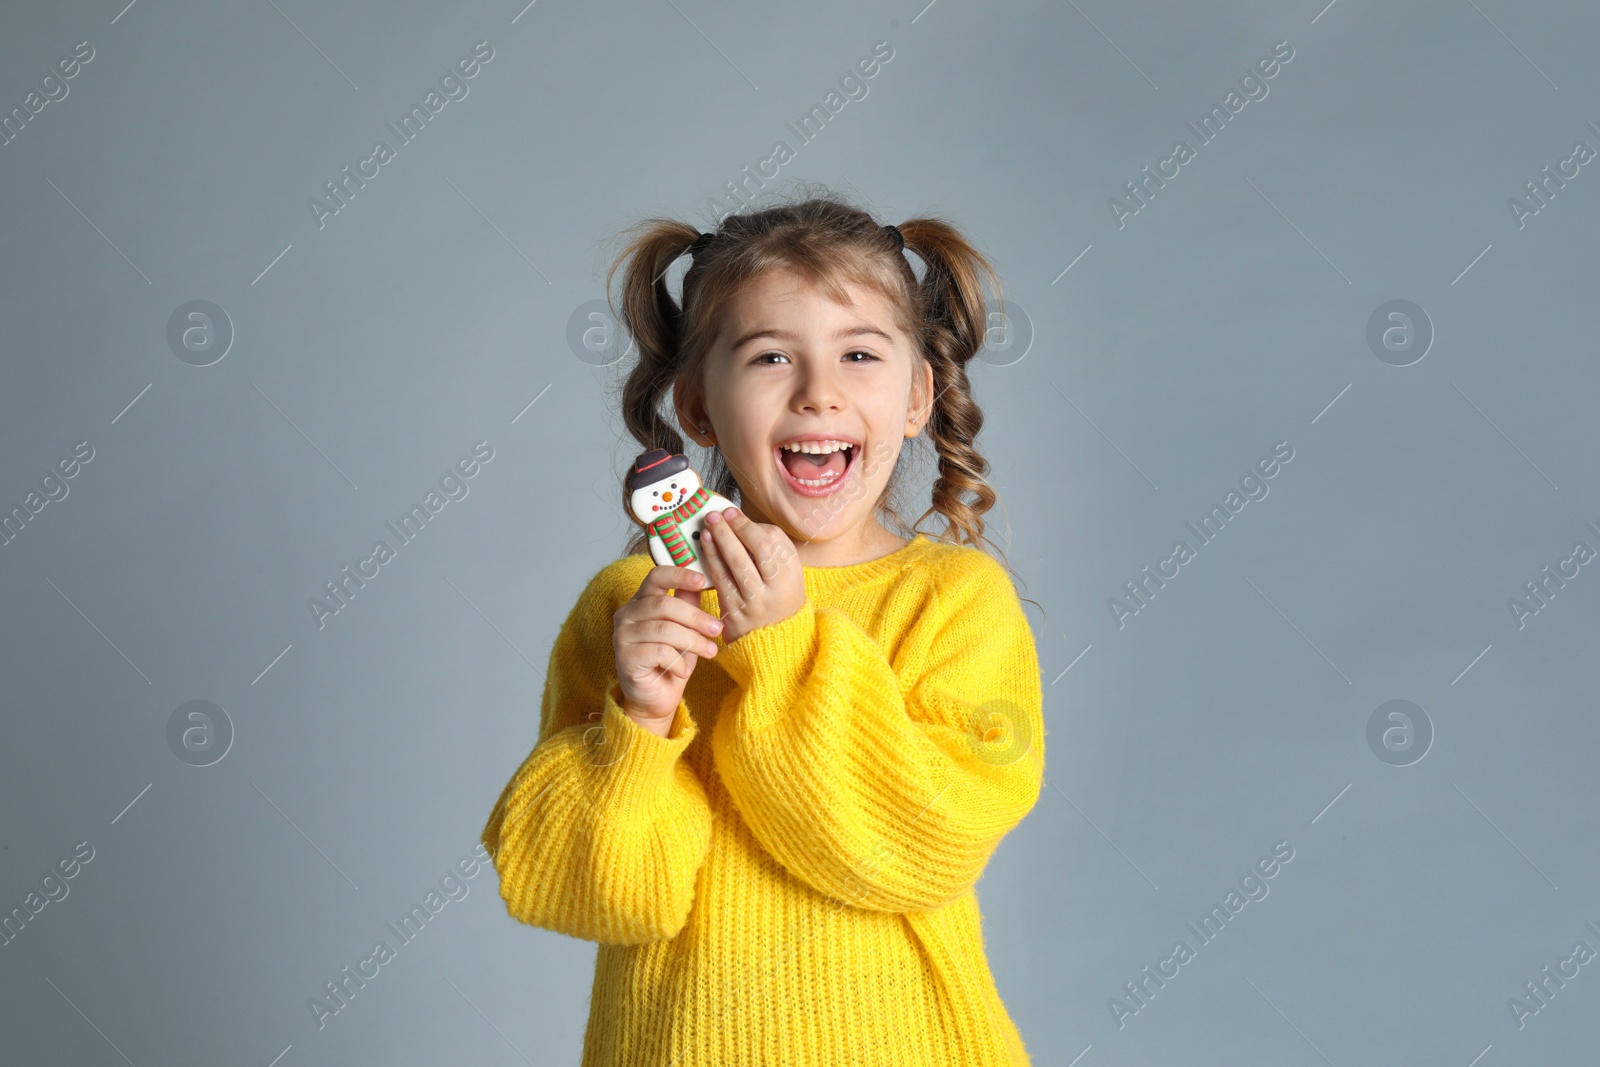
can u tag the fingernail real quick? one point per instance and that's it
(716, 625)
(714, 517)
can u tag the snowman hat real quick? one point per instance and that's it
(654, 465)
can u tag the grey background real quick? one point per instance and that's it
(370, 355)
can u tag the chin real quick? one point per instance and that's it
(815, 525)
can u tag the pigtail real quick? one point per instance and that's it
(955, 318)
(667, 346)
(648, 315)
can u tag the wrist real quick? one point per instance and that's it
(770, 664)
(657, 722)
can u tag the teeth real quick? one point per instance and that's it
(816, 447)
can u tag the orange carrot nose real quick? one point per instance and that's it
(667, 496)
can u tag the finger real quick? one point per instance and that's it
(686, 610)
(728, 598)
(670, 669)
(662, 578)
(678, 662)
(686, 668)
(736, 559)
(780, 549)
(761, 542)
(670, 635)
(680, 623)
(748, 537)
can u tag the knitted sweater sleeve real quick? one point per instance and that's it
(888, 786)
(602, 830)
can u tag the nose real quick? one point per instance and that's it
(818, 391)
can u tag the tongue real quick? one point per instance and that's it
(812, 466)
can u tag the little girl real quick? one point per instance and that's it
(767, 793)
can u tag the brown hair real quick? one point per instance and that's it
(827, 241)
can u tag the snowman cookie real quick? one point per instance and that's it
(666, 497)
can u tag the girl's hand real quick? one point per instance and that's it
(656, 637)
(755, 570)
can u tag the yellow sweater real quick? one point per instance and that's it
(787, 877)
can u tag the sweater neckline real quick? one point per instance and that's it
(834, 579)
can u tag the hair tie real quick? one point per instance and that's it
(899, 240)
(700, 243)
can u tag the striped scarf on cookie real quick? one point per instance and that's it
(666, 528)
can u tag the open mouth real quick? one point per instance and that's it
(815, 474)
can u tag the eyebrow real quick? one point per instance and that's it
(785, 335)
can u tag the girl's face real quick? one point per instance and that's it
(789, 364)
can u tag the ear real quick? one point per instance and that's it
(920, 410)
(691, 410)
